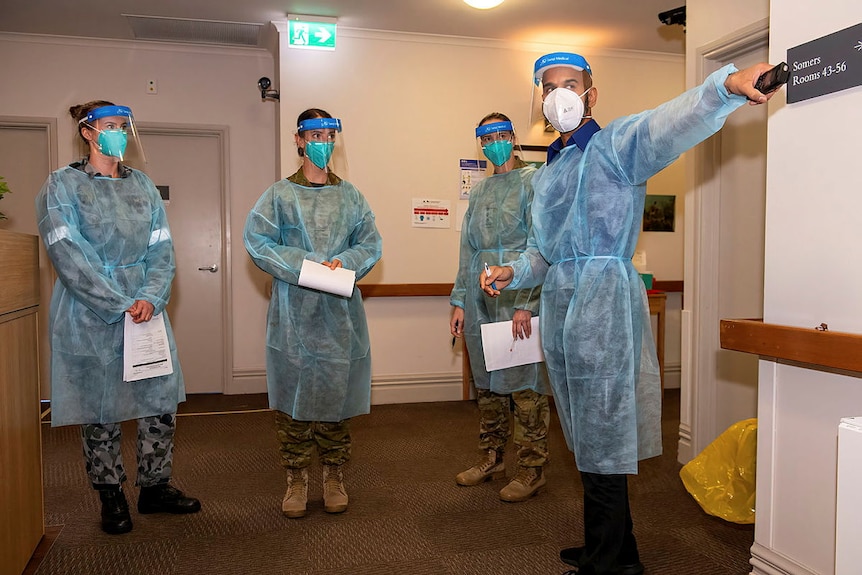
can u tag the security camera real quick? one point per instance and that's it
(671, 17)
(266, 91)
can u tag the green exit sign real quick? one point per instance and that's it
(312, 35)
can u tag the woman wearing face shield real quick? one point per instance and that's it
(106, 233)
(495, 230)
(318, 358)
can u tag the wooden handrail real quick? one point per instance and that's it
(430, 290)
(404, 290)
(829, 349)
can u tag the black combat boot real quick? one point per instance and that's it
(115, 510)
(166, 499)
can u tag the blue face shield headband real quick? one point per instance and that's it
(569, 59)
(319, 124)
(106, 111)
(493, 127)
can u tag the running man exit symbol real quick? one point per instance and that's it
(312, 35)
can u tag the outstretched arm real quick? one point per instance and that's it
(742, 84)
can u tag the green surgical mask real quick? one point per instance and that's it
(113, 143)
(319, 153)
(498, 152)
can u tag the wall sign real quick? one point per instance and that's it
(825, 65)
(308, 32)
(472, 172)
(429, 213)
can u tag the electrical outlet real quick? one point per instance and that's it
(152, 87)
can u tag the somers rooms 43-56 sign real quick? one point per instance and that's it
(825, 65)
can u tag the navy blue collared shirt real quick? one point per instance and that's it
(580, 138)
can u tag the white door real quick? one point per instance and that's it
(189, 163)
(25, 161)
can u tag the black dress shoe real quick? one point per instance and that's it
(572, 556)
(115, 511)
(166, 499)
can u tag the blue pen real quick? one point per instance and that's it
(488, 274)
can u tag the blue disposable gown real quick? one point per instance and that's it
(495, 230)
(318, 354)
(595, 318)
(109, 242)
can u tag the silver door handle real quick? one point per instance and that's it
(213, 268)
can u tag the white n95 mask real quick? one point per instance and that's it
(564, 109)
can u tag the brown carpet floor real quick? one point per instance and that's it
(406, 516)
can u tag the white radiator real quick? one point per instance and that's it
(848, 512)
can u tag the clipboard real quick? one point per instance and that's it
(502, 351)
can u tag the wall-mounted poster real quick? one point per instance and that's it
(472, 172)
(659, 213)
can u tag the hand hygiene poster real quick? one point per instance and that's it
(431, 213)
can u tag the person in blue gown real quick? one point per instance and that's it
(106, 233)
(587, 213)
(318, 356)
(495, 230)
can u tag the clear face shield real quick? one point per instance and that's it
(496, 141)
(113, 125)
(558, 100)
(322, 142)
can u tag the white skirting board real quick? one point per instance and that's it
(393, 388)
(416, 388)
(767, 562)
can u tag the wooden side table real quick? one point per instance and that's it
(657, 303)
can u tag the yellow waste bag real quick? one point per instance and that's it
(721, 478)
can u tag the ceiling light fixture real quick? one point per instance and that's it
(483, 4)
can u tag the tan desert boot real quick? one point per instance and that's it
(489, 467)
(296, 496)
(334, 494)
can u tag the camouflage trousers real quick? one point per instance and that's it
(104, 460)
(297, 440)
(532, 418)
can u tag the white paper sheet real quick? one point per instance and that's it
(318, 276)
(146, 352)
(502, 351)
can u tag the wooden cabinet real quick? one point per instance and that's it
(22, 521)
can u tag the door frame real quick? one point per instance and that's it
(222, 133)
(700, 315)
(49, 125)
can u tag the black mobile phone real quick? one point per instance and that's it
(773, 78)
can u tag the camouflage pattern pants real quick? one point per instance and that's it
(104, 460)
(532, 418)
(297, 440)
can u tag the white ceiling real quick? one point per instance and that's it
(612, 24)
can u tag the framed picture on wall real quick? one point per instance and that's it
(659, 213)
(534, 155)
